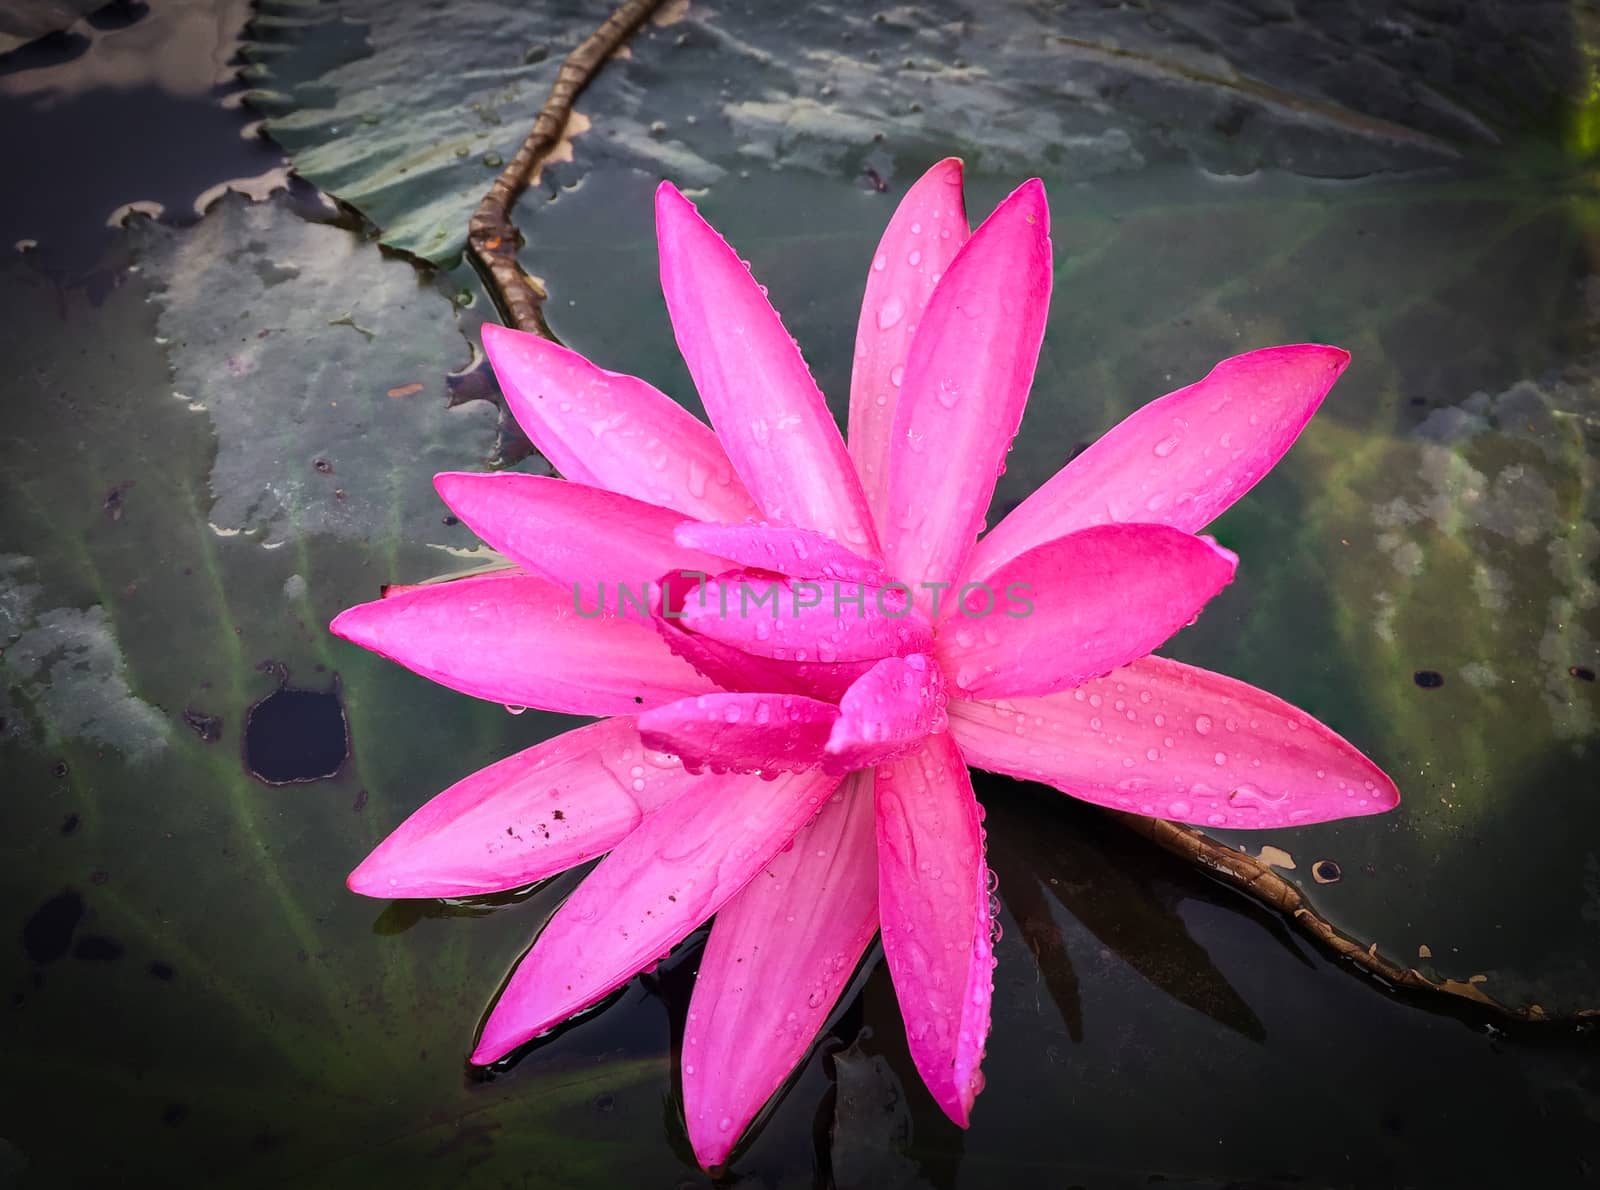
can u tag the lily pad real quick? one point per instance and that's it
(343, 439)
(374, 106)
(207, 997)
(29, 20)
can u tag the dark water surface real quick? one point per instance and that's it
(220, 431)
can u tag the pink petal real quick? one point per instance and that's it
(572, 533)
(517, 639)
(732, 668)
(529, 816)
(966, 383)
(799, 553)
(1181, 460)
(888, 711)
(1158, 737)
(799, 621)
(928, 228)
(613, 431)
(756, 388)
(780, 953)
(933, 902)
(743, 733)
(679, 866)
(1080, 606)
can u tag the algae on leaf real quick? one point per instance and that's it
(321, 366)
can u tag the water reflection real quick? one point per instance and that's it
(124, 114)
(1044, 870)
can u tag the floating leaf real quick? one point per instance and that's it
(23, 21)
(373, 103)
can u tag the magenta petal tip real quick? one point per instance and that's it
(364, 881)
(486, 1051)
(1221, 551)
(668, 197)
(1035, 205)
(351, 625)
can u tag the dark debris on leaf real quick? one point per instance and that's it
(47, 935)
(113, 502)
(1428, 679)
(207, 727)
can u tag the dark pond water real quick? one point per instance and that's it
(221, 427)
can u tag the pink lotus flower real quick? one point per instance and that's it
(838, 802)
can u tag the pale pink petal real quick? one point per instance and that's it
(933, 903)
(731, 667)
(572, 533)
(799, 553)
(518, 640)
(779, 954)
(743, 733)
(1166, 739)
(966, 383)
(1078, 607)
(796, 620)
(677, 868)
(1181, 460)
(928, 228)
(529, 816)
(888, 711)
(614, 431)
(756, 388)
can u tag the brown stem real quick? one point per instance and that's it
(492, 239)
(1261, 882)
